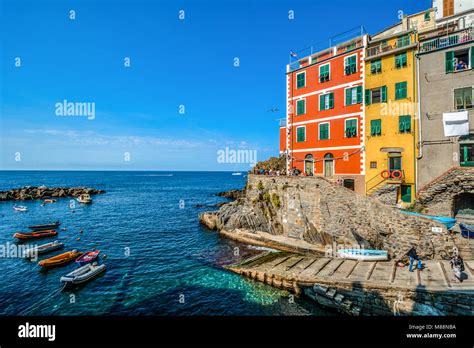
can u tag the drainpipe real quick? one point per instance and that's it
(420, 142)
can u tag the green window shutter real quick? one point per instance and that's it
(349, 96)
(324, 131)
(404, 124)
(321, 102)
(472, 57)
(375, 127)
(401, 124)
(331, 100)
(301, 134)
(449, 62)
(404, 59)
(383, 93)
(300, 107)
(367, 97)
(300, 80)
(351, 128)
(397, 91)
(359, 94)
(400, 90)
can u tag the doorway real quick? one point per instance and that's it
(309, 165)
(328, 165)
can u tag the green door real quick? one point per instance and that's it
(406, 193)
(394, 163)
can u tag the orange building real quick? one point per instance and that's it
(324, 131)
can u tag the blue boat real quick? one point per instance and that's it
(467, 231)
(363, 254)
(448, 222)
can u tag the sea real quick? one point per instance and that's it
(159, 259)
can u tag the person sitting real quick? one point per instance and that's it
(457, 265)
(412, 254)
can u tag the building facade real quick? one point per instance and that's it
(324, 131)
(446, 63)
(391, 113)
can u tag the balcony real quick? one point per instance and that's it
(385, 48)
(458, 38)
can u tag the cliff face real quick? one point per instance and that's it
(312, 213)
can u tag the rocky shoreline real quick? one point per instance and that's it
(42, 192)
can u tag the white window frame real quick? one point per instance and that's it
(345, 61)
(329, 130)
(357, 126)
(319, 75)
(304, 134)
(296, 111)
(345, 92)
(296, 82)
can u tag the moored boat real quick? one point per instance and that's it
(88, 257)
(85, 198)
(363, 254)
(43, 249)
(448, 222)
(35, 234)
(467, 231)
(50, 226)
(237, 173)
(83, 274)
(60, 259)
(20, 208)
(49, 201)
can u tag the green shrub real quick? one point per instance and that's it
(276, 200)
(266, 197)
(260, 186)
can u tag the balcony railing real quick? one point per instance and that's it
(386, 47)
(463, 36)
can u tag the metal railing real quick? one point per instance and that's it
(386, 47)
(375, 182)
(460, 37)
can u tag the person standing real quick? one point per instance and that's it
(412, 254)
(457, 265)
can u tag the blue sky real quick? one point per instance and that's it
(174, 62)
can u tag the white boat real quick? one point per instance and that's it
(85, 198)
(20, 208)
(43, 249)
(363, 254)
(83, 274)
(237, 173)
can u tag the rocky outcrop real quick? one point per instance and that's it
(42, 192)
(315, 211)
(232, 194)
(439, 196)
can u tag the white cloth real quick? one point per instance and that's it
(456, 123)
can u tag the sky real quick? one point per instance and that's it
(161, 77)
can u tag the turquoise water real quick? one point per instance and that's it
(160, 261)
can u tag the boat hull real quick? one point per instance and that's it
(35, 234)
(83, 274)
(43, 249)
(52, 226)
(363, 255)
(60, 259)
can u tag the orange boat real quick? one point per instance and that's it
(35, 234)
(60, 259)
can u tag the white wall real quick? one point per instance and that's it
(459, 6)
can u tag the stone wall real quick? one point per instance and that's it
(437, 197)
(315, 211)
(357, 300)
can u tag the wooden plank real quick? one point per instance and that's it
(352, 269)
(371, 270)
(322, 266)
(330, 274)
(445, 275)
(284, 259)
(294, 264)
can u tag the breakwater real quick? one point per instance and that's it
(42, 192)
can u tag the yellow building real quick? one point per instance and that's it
(391, 122)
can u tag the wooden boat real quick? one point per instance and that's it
(85, 198)
(363, 254)
(49, 201)
(43, 249)
(35, 234)
(51, 226)
(237, 173)
(60, 259)
(20, 208)
(83, 274)
(87, 257)
(467, 231)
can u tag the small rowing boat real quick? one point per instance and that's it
(467, 231)
(20, 208)
(83, 274)
(46, 201)
(448, 222)
(35, 234)
(60, 259)
(85, 198)
(87, 257)
(43, 249)
(50, 226)
(363, 254)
